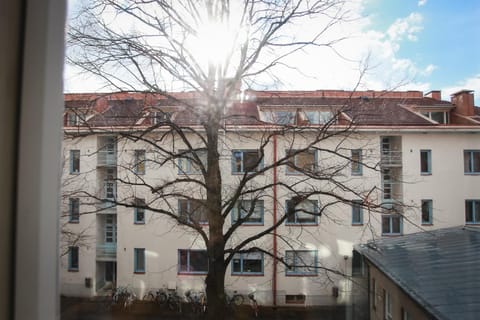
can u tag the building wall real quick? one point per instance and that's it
(400, 301)
(333, 237)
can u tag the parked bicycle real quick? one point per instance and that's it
(174, 301)
(124, 297)
(253, 304)
(235, 300)
(197, 301)
(159, 296)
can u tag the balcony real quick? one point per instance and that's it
(106, 158)
(391, 159)
(107, 251)
(106, 207)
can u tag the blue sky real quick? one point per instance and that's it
(406, 44)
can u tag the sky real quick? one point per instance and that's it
(401, 44)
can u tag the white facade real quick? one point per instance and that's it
(105, 258)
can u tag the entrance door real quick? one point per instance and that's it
(110, 271)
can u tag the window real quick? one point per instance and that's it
(406, 315)
(244, 161)
(295, 298)
(192, 261)
(193, 210)
(357, 212)
(139, 167)
(387, 184)
(301, 262)
(188, 164)
(374, 294)
(425, 161)
(160, 117)
(244, 207)
(356, 162)
(248, 263)
(391, 224)
(73, 259)
(72, 119)
(139, 260)
(301, 161)
(304, 212)
(387, 298)
(441, 117)
(74, 161)
(74, 210)
(472, 211)
(358, 268)
(471, 161)
(139, 211)
(427, 210)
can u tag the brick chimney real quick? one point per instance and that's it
(463, 100)
(434, 94)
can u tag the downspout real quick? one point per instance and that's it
(274, 276)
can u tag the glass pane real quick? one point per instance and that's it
(306, 212)
(395, 224)
(236, 265)
(284, 117)
(476, 161)
(467, 167)
(306, 160)
(424, 162)
(386, 224)
(250, 160)
(183, 261)
(438, 116)
(252, 264)
(198, 261)
(305, 261)
(426, 207)
(325, 116)
(313, 117)
(237, 161)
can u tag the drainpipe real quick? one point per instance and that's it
(274, 276)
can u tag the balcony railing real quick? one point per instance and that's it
(107, 251)
(106, 158)
(391, 158)
(106, 207)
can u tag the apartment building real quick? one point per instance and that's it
(398, 163)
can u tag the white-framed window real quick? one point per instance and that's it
(297, 117)
(391, 224)
(302, 213)
(301, 262)
(192, 261)
(73, 258)
(72, 119)
(357, 212)
(74, 210)
(472, 211)
(426, 161)
(387, 308)
(303, 161)
(140, 158)
(387, 184)
(139, 260)
(356, 162)
(193, 210)
(110, 228)
(159, 117)
(139, 211)
(243, 208)
(406, 315)
(442, 117)
(74, 161)
(427, 211)
(187, 164)
(471, 161)
(245, 161)
(250, 263)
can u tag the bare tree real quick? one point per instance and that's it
(150, 47)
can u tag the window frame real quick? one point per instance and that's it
(189, 213)
(139, 256)
(242, 161)
(475, 208)
(73, 210)
(140, 158)
(294, 272)
(137, 211)
(188, 163)
(188, 264)
(429, 206)
(387, 306)
(316, 210)
(73, 258)
(74, 161)
(374, 294)
(357, 205)
(356, 164)
(237, 210)
(391, 217)
(243, 257)
(291, 170)
(428, 160)
(471, 163)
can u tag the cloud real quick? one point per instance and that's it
(422, 3)
(406, 27)
(470, 83)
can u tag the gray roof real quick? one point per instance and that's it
(439, 269)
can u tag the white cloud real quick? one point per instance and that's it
(406, 27)
(471, 83)
(421, 3)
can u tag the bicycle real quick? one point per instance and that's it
(235, 300)
(124, 297)
(197, 301)
(159, 296)
(253, 304)
(174, 302)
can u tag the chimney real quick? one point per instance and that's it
(463, 100)
(434, 94)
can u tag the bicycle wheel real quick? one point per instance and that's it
(237, 299)
(161, 298)
(149, 297)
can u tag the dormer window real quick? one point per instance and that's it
(297, 116)
(73, 119)
(160, 117)
(442, 117)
